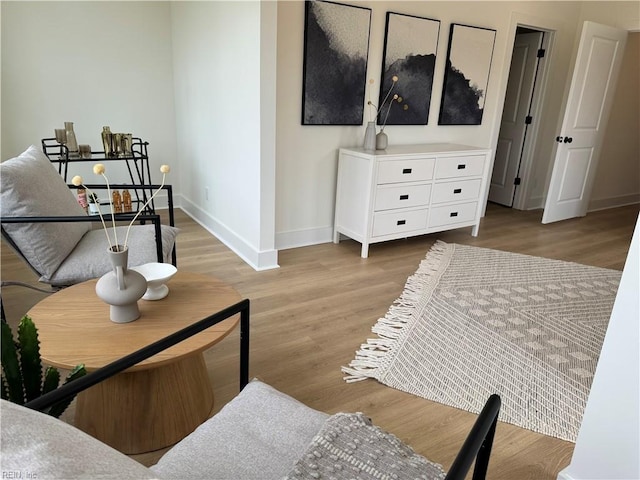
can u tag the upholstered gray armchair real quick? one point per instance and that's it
(43, 222)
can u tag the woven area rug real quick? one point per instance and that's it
(473, 321)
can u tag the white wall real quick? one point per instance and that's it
(217, 66)
(92, 63)
(617, 180)
(268, 108)
(608, 444)
(113, 63)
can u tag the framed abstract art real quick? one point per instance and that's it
(336, 47)
(410, 47)
(466, 75)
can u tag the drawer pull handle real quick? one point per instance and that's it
(406, 170)
(404, 197)
(457, 190)
(401, 222)
(462, 166)
(453, 214)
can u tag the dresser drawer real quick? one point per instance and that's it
(415, 170)
(463, 166)
(400, 196)
(387, 223)
(459, 190)
(452, 214)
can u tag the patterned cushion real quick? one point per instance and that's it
(350, 446)
(31, 186)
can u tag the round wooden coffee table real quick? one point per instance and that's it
(160, 400)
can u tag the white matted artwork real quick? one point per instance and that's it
(336, 47)
(466, 75)
(410, 47)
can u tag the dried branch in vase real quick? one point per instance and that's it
(394, 99)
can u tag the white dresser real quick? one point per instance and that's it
(409, 190)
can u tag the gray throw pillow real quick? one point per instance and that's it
(90, 260)
(31, 187)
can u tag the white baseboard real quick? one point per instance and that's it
(258, 260)
(535, 203)
(303, 238)
(613, 202)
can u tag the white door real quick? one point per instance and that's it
(522, 74)
(590, 96)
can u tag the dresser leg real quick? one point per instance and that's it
(364, 251)
(474, 230)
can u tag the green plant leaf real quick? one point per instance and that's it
(51, 380)
(10, 365)
(57, 409)
(77, 372)
(5, 388)
(30, 362)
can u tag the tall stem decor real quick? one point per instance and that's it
(120, 288)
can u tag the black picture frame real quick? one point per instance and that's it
(466, 77)
(410, 47)
(336, 49)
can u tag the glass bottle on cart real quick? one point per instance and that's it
(72, 144)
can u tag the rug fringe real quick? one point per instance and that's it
(373, 357)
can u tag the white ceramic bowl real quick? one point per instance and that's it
(156, 275)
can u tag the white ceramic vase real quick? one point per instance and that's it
(370, 136)
(381, 141)
(121, 288)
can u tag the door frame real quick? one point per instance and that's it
(550, 28)
(524, 147)
(528, 148)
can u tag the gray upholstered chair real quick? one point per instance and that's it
(43, 222)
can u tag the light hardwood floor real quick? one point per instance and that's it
(311, 314)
